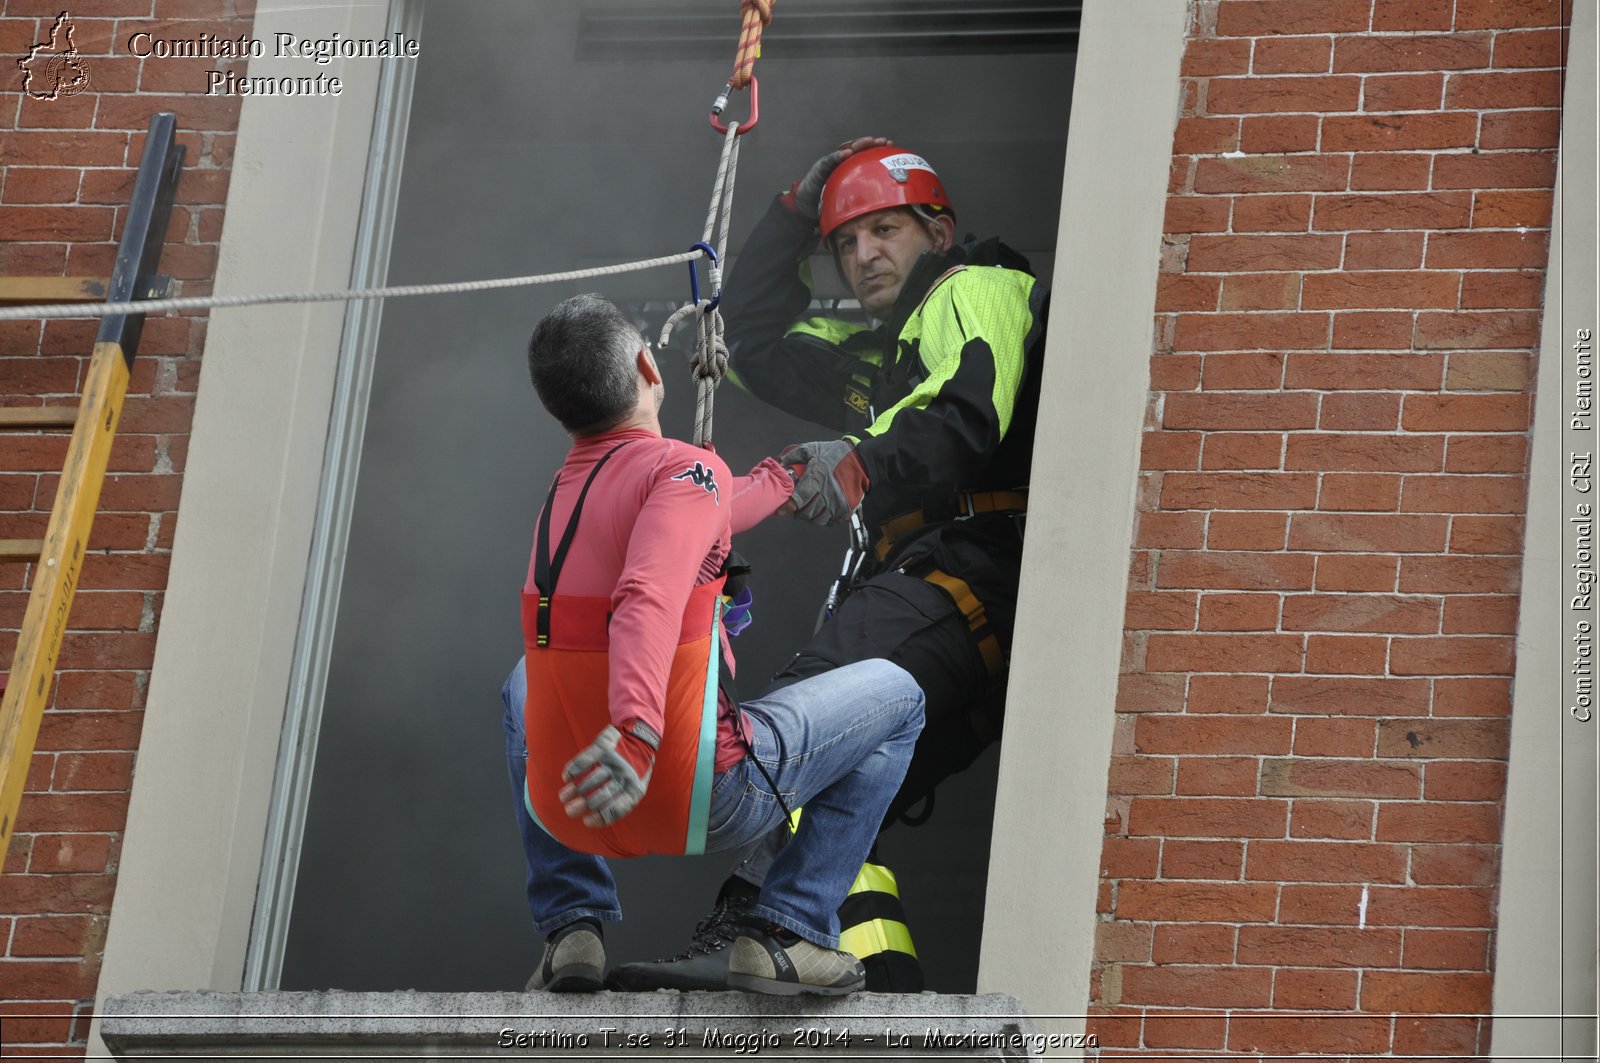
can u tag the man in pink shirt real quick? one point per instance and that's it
(628, 743)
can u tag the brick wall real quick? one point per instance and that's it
(66, 170)
(1309, 766)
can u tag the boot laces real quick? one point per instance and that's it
(716, 931)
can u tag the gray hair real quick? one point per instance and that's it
(581, 357)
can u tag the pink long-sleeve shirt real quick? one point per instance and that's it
(658, 521)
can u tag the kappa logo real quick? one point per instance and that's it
(53, 68)
(701, 477)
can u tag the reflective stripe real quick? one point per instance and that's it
(880, 935)
(694, 842)
(873, 919)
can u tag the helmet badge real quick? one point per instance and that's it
(899, 174)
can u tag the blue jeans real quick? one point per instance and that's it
(837, 743)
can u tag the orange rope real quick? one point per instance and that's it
(757, 13)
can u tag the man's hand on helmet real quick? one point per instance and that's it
(805, 195)
(609, 777)
(831, 480)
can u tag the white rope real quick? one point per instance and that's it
(710, 360)
(213, 302)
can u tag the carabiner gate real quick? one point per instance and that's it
(722, 102)
(713, 274)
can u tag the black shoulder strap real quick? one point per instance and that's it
(547, 570)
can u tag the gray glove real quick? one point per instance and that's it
(609, 777)
(831, 480)
(806, 194)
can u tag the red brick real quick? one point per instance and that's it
(1485, 535)
(1500, 90)
(51, 147)
(1206, 817)
(1239, 612)
(1293, 1034)
(1322, 777)
(1266, 95)
(1291, 55)
(1170, 450)
(1122, 942)
(1335, 737)
(1345, 655)
(1487, 250)
(1507, 14)
(1204, 57)
(1428, 993)
(1171, 531)
(64, 853)
(1245, 254)
(1465, 781)
(1502, 290)
(51, 935)
(1381, 171)
(1461, 575)
(1320, 905)
(1520, 129)
(46, 980)
(1181, 1030)
(1235, 571)
(1464, 494)
(56, 223)
(1186, 292)
(1174, 372)
(1246, 531)
(1400, 132)
(1242, 450)
(1317, 696)
(1373, 330)
(75, 812)
(1201, 860)
(1193, 943)
(1487, 371)
(1361, 534)
(1446, 950)
(1190, 735)
(1402, 92)
(93, 772)
(1160, 611)
(1413, 15)
(1337, 291)
(1452, 655)
(1272, 173)
(1197, 902)
(1477, 329)
(1130, 857)
(1421, 210)
(1257, 18)
(1288, 946)
(55, 894)
(1204, 136)
(1439, 822)
(1433, 739)
(1214, 987)
(1358, 372)
(1271, 213)
(1360, 412)
(35, 1022)
(1276, 134)
(1238, 490)
(90, 730)
(1261, 291)
(1382, 250)
(1480, 615)
(1367, 453)
(1360, 612)
(1455, 865)
(1359, 491)
(1366, 54)
(1530, 48)
(41, 184)
(1314, 990)
(1349, 820)
(1227, 694)
(1511, 210)
(1141, 775)
(1252, 332)
(1217, 777)
(1150, 693)
(1495, 170)
(1223, 653)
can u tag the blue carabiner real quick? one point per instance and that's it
(694, 277)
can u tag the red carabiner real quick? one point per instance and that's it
(722, 101)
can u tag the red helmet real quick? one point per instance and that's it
(878, 178)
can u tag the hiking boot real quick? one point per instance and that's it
(781, 963)
(574, 960)
(704, 964)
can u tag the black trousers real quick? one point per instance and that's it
(916, 625)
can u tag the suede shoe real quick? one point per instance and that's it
(704, 964)
(781, 963)
(574, 960)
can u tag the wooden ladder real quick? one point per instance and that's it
(59, 555)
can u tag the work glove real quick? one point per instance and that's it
(805, 195)
(609, 777)
(831, 480)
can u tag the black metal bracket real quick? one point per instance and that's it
(134, 275)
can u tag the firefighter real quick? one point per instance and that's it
(936, 402)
